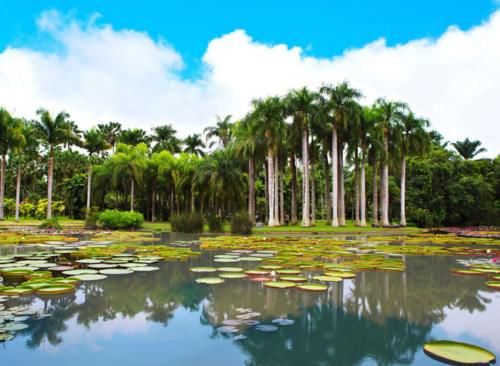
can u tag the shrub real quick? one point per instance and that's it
(41, 208)
(52, 223)
(241, 224)
(9, 205)
(215, 224)
(187, 223)
(27, 209)
(91, 220)
(114, 219)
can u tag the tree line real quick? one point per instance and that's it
(313, 154)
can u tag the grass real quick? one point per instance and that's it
(320, 227)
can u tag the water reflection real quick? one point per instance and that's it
(381, 318)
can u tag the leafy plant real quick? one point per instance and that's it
(215, 224)
(115, 219)
(187, 223)
(41, 208)
(52, 223)
(241, 224)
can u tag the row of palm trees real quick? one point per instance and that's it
(312, 137)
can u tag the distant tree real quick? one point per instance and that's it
(468, 149)
(193, 144)
(165, 139)
(222, 131)
(134, 136)
(111, 131)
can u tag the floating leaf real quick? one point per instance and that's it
(232, 322)
(210, 280)
(459, 353)
(313, 287)
(289, 272)
(78, 272)
(266, 328)
(145, 269)
(227, 329)
(293, 278)
(467, 272)
(493, 284)
(116, 271)
(57, 289)
(203, 269)
(230, 269)
(256, 272)
(231, 275)
(328, 278)
(279, 284)
(14, 327)
(283, 321)
(90, 277)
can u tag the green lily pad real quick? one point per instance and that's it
(145, 269)
(99, 266)
(467, 272)
(88, 261)
(458, 353)
(232, 275)
(203, 269)
(77, 272)
(67, 281)
(251, 259)
(230, 269)
(90, 277)
(226, 260)
(341, 274)
(313, 287)
(256, 272)
(280, 284)
(18, 291)
(493, 284)
(328, 278)
(210, 280)
(289, 272)
(14, 327)
(56, 289)
(293, 278)
(116, 271)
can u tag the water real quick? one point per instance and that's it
(164, 318)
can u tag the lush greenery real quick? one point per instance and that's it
(241, 224)
(115, 219)
(306, 156)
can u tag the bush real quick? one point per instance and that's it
(41, 208)
(91, 220)
(422, 217)
(52, 223)
(241, 224)
(187, 223)
(215, 224)
(27, 209)
(114, 219)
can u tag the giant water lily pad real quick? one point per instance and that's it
(328, 278)
(14, 327)
(458, 353)
(231, 275)
(289, 272)
(293, 278)
(90, 277)
(467, 272)
(145, 269)
(280, 284)
(210, 280)
(256, 272)
(203, 269)
(313, 287)
(230, 269)
(116, 271)
(18, 291)
(493, 284)
(266, 328)
(56, 289)
(78, 272)
(227, 329)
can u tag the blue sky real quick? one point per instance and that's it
(323, 28)
(145, 63)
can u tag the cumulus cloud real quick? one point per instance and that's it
(101, 74)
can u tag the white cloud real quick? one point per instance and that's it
(102, 74)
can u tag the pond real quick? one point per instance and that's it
(165, 318)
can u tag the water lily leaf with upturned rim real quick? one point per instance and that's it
(315, 287)
(280, 284)
(210, 280)
(458, 352)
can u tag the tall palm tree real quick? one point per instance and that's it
(129, 162)
(222, 131)
(166, 139)
(159, 167)
(95, 143)
(413, 139)
(53, 132)
(299, 104)
(111, 131)
(134, 136)
(468, 149)
(10, 137)
(193, 144)
(341, 101)
(247, 145)
(269, 114)
(390, 115)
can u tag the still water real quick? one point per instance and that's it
(165, 318)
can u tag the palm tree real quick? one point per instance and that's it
(165, 139)
(269, 115)
(134, 136)
(194, 145)
(53, 132)
(94, 142)
(111, 131)
(468, 149)
(159, 169)
(222, 131)
(390, 115)
(10, 137)
(299, 104)
(247, 145)
(129, 162)
(413, 139)
(341, 101)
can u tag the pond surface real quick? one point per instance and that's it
(165, 318)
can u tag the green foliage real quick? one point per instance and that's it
(241, 224)
(27, 209)
(114, 219)
(9, 206)
(187, 223)
(215, 224)
(91, 220)
(52, 223)
(41, 208)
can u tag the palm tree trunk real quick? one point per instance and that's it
(335, 177)
(306, 209)
(192, 199)
(89, 190)
(276, 190)
(2, 186)
(50, 176)
(271, 186)
(293, 205)
(363, 187)
(132, 194)
(282, 198)
(313, 187)
(18, 192)
(374, 193)
(153, 201)
(356, 188)
(328, 197)
(402, 221)
(385, 183)
(251, 189)
(266, 190)
(341, 189)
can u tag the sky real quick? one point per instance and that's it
(153, 62)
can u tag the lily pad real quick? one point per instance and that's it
(227, 329)
(467, 272)
(289, 272)
(293, 278)
(280, 284)
(266, 328)
(327, 278)
(232, 322)
(145, 269)
(493, 284)
(90, 277)
(230, 275)
(210, 280)
(458, 353)
(116, 271)
(313, 287)
(14, 327)
(78, 272)
(57, 289)
(256, 272)
(203, 269)
(283, 321)
(230, 269)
